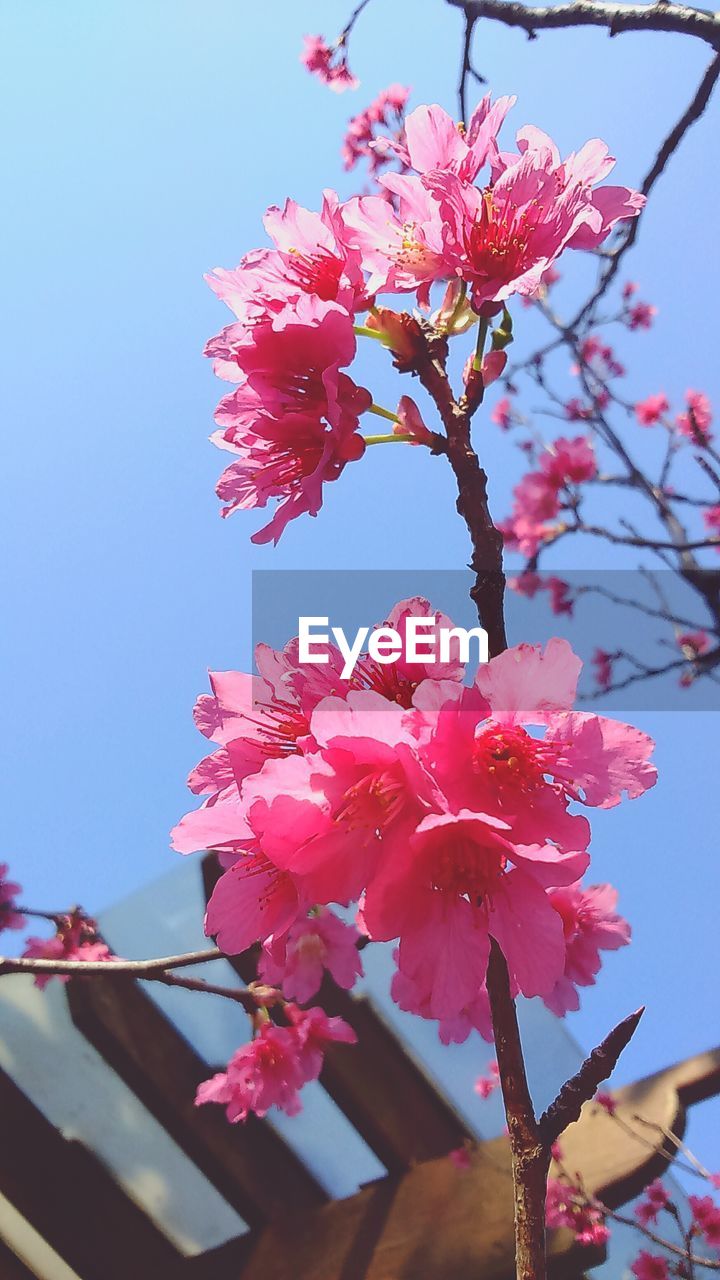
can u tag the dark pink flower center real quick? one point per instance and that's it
(497, 244)
(317, 273)
(374, 801)
(510, 758)
(467, 869)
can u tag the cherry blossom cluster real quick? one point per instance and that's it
(75, 938)
(541, 494)
(328, 63)
(570, 1205)
(445, 810)
(377, 133)
(274, 1066)
(486, 222)
(693, 422)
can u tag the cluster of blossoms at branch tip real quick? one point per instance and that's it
(274, 1066)
(442, 809)
(292, 419)
(694, 422)
(10, 917)
(375, 133)
(537, 498)
(567, 1207)
(328, 63)
(75, 938)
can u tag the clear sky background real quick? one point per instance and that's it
(141, 143)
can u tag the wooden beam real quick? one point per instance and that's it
(250, 1164)
(436, 1222)
(386, 1096)
(73, 1202)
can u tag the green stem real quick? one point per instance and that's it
(480, 348)
(383, 413)
(363, 331)
(391, 439)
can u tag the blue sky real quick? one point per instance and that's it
(141, 144)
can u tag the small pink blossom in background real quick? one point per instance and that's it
(693, 643)
(603, 661)
(606, 1101)
(650, 1266)
(629, 290)
(655, 1200)
(536, 499)
(696, 422)
(706, 1218)
(363, 139)
(576, 411)
(714, 1180)
(502, 414)
(75, 939)
(461, 1158)
(711, 520)
(10, 917)
(485, 1085)
(529, 583)
(273, 1067)
(328, 63)
(297, 960)
(591, 925)
(599, 357)
(651, 410)
(584, 1220)
(641, 315)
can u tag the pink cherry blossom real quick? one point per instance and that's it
(363, 138)
(328, 63)
(536, 499)
(529, 583)
(75, 939)
(293, 420)
(10, 917)
(411, 422)
(503, 239)
(310, 256)
(487, 1084)
(603, 661)
(502, 414)
(433, 802)
(273, 1067)
(650, 1266)
(694, 643)
(565, 1207)
(655, 1199)
(591, 925)
(641, 315)
(297, 960)
(706, 1219)
(695, 423)
(652, 409)
(711, 520)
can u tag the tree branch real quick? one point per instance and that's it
(679, 19)
(582, 1086)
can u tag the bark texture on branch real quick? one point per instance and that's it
(679, 19)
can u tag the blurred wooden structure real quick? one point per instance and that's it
(426, 1219)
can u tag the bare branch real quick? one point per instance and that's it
(582, 1086)
(680, 19)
